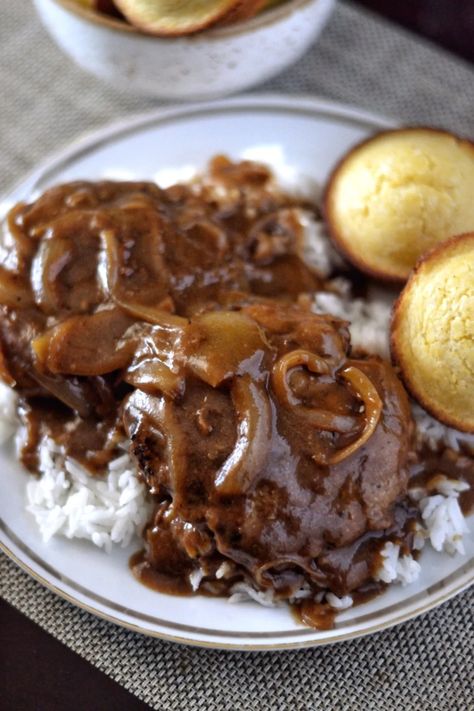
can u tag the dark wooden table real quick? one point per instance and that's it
(29, 656)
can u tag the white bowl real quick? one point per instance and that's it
(206, 65)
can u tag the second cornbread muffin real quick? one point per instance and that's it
(432, 334)
(397, 195)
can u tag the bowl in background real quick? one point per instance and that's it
(209, 64)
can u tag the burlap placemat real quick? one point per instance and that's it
(424, 664)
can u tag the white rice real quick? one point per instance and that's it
(225, 569)
(66, 501)
(195, 578)
(8, 419)
(443, 526)
(317, 249)
(368, 319)
(431, 432)
(245, 592)
(443, 521)
(339, 603)
(396, 568)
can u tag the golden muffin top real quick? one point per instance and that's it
(397, 195)
(432, 332)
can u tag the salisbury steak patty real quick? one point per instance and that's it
(278, 452)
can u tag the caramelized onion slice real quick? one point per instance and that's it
(275, 235)
(294, 359)
(176, 453)
(159, 441)
(64, 268)
(14, 292)
(158, 362)
(110, 262)
(320, 419)
(253, 437)
(366, 391)
(24, 246)
(154, 377)
(208, 237)
(67, 391)
(137, 287)
(86, 345)
(157, 315)
(52, 257)
(133, 269)
(219, 343)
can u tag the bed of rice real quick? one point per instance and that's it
(66, 501)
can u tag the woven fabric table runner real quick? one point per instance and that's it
(424, 664)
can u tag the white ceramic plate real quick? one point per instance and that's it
(299, 137)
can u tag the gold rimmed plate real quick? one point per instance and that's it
(301, 139)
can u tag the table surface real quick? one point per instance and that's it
(29, 656)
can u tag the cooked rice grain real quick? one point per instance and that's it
(66, 500)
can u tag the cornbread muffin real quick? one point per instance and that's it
(432, 332)
(397, 195)
(170, 18)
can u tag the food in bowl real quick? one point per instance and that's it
(167, 19)
(202, 65)
(433, 332)
(398, 194)
(184, 364)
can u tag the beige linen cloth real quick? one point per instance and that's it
(426, 664)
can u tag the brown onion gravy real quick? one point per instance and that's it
(445, 462)
(180, 318)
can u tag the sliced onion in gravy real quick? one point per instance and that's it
(253, 438)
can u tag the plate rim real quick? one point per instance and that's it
(466, 580)
(292, 103)
(87, 143)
